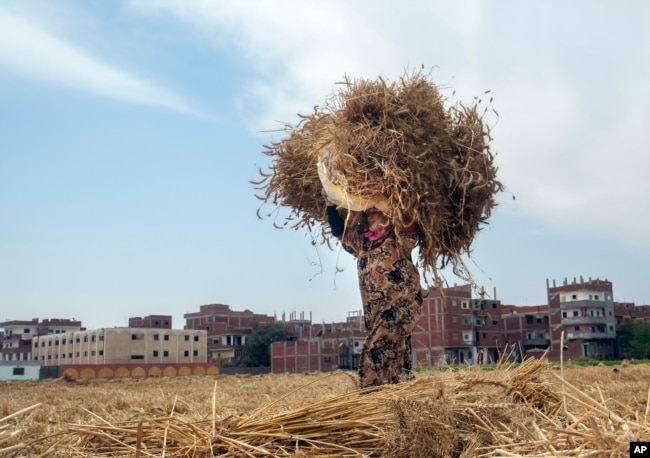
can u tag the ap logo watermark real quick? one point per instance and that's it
(639, 449)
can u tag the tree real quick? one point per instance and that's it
(257, 351)
(624, 337)
(640, 345)
(634, 339)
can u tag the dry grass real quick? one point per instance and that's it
(395, 141)
(511, 411)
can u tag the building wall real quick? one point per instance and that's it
(16, 342)
(121, 346)
(226, 329)
(583, 320)
(19, 370)
(90, 371)
(151, 321)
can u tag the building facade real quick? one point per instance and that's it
(582, 322)
(151, 321)
(121, 346)
(16, 340)
(578, 322)
(226, 329)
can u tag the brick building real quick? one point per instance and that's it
(226, 329)
(151, 321)
(16, 340)
(582, 319)
(578, 322)
(319, 347)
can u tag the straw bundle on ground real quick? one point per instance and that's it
(395, 142)
(506, 412)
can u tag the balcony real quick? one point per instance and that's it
(587, 320)
(586, 303)
(588, 335)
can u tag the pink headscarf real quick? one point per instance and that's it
(378, 233)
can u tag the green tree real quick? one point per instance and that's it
(640, 345)
(257, 351)
(624, 337)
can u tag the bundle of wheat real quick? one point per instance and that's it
(511, 411)
(399, 144)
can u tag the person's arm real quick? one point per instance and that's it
(337, 224)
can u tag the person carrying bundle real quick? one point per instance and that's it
(390, 293)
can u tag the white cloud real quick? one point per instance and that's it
(572, 99)
(30, 52)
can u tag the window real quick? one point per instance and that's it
(539, 320)
(85, 338)
(186, 353)
(137, 336)
(596, 297)
(165, 354)
(101, 352)
(101, 338)
(574, 296)
(196, 338)
(576, 328)
(454, 303)
(454, 319)
(196, 353)
(137, 356)
(166, 337)
(92, 353)
(63, 342)
(85, 353)
(187, 338)
(19, 371)
(156, 337)
(495, 322)
(575, 313)
(155, 353)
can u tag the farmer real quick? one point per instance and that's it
(390, 292)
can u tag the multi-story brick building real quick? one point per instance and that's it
(579, 322)
(624, 311)
(151, 321)
(16, 340)
(319, 347)
(582, 321)
(226, 329)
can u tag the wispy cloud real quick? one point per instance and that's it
(30, 52)
(572, 99)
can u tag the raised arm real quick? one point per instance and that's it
(337, 224)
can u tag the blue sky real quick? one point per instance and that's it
(129, 132)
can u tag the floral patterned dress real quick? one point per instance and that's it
(392, 303)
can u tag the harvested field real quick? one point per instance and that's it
(530, 410)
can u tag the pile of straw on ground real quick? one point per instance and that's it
(508, 412)
(394, 141)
